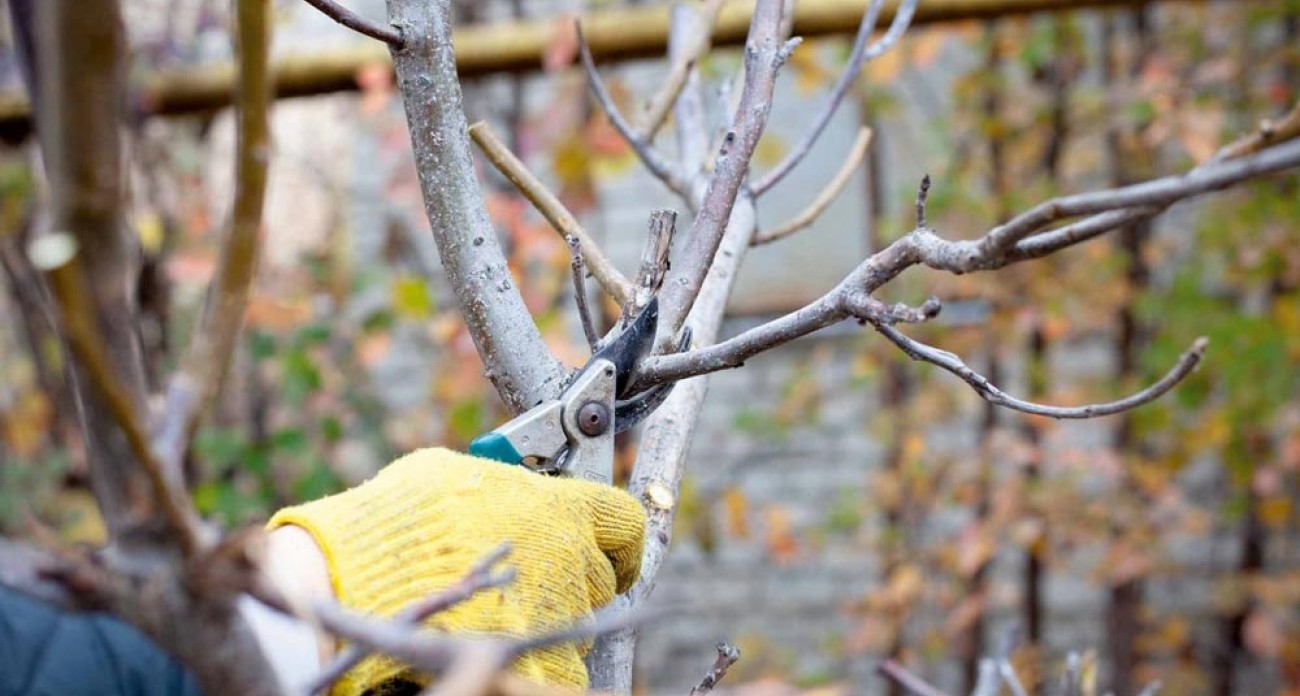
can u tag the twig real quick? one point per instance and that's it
(989, 682)
(728, 654)
(654, 258)
(660, 167)
(1270, 132)
(827, 195)
(517, 360)
(996, 248)
(657, 108)
(901, 676)
(73, 298)
(922, 198)
(1070, 676)
(204, 368)
(764, 56)
(480, 577)
(950, 362)
(388, 34)
(861, 55)
(563, 221)
(580, 293)
(1009, 676)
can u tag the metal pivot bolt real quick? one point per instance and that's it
(593, 418)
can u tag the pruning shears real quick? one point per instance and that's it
(573, 434)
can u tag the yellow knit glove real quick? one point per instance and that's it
(419, 525)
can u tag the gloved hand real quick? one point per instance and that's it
(419, 525)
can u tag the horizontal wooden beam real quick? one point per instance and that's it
(618, 34)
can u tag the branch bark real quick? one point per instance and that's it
(518, 363)
(204, 369)
(564, 223)
(356, 22)
(764, 56)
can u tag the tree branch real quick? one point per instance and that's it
(697, 46)
(480, 577)
(860, 56)
(89, 262)
(998, 247)
(655, 162)
(654, 258)
(727, 656)
(521, 367)
(901, 676)
(203, 371)
(764, 56)
(357, 23)
(833, 188)
(580, 293)
(564, 223)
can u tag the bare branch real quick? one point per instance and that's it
(837, 183)
(204, 368)
(389, 35)
(900, 675)
(950, 362)
(659, 105)
(580, 293)
(664, 170)
(88, 262)
(654, 258)
(1270, 132)
(860, 56)
(922, 197)
(563, 221)
(998, 247)
(764, 56)
(480, 577)
(728, 654)
(521, 367)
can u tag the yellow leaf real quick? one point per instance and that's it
(148, 224)
(736, 507)
(411, 298)
(770, 150)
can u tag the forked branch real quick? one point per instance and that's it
(862, 53)
(658, 165)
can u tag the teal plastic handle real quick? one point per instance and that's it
(494, 445)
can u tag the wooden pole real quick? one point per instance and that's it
(625, 33)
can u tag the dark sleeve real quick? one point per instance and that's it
(47, 652)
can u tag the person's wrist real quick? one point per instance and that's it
(298, 568)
